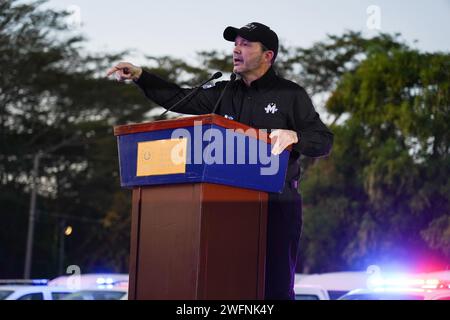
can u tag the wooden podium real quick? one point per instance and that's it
(199, 207)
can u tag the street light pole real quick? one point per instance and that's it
(31, 217)
(32, 214)
(62, 235)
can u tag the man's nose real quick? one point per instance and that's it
(237, 49)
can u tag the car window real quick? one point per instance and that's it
(32, 296)
(306, 297)
(59, 295)
(381, 296)
(334, 294)
(95, 295)
(5, 293)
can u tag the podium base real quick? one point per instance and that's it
(197, 241)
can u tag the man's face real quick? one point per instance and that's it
(247, 56)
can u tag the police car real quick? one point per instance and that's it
(107, 286)
(31, 290)
(310, 292)
(402, 288)
(111, 293)
(396, 294)
(328, 286)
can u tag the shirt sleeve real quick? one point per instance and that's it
(315, 139)
(166, 94)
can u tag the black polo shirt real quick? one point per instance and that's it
(270, 102)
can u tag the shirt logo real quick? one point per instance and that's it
(271, 108)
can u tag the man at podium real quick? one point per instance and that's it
(263, 100)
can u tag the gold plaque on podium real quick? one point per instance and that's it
(161, 157)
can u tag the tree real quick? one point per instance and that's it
(385, 194)
(51, 94)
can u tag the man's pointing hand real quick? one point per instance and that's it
(125, 71)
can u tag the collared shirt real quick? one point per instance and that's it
(270, 102)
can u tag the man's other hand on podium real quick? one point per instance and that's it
(281, 139)
(125, 71)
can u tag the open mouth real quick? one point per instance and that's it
(237, 60)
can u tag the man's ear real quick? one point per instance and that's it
(269, 55)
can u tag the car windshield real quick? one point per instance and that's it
(382, 296)
(5, 293)
(334, 294)
(306, 297)
(95, 295)
(59, 295)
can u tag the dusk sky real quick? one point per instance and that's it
(180, 29)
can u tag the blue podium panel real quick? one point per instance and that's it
(201, 153)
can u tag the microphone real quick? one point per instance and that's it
(190, 94)
(232, 78)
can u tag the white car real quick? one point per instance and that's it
(328, 286)
(432, 286)
(94, 286)
(91, 280)
(310, 292)
(113, 293)
(338, 284)
(30, 292)
(397, 294)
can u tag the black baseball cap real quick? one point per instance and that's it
(254, 31)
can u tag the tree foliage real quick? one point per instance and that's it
(54, 103)
(386, 191)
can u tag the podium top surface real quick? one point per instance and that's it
(227, 152)
(189, 122)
